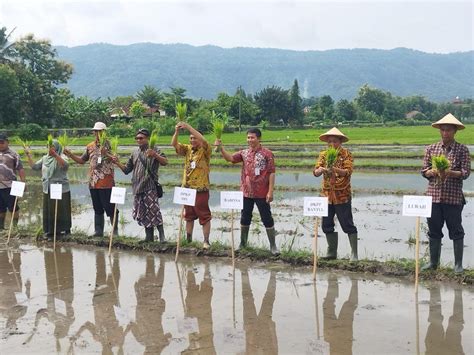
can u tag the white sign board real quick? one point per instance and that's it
(56, 191)
(232, 200)
(118, 195)
(417, 206)
(184, 196)
(21, 297)
(315, 206)
(18, 188)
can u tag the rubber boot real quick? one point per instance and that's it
(244, 236)
(161, 232)
(458, 246)
(332, 240)
(116, 224)
(435, 253)
(353, 243)
(98, 225)
(2, 220)
(149, 235)
(271, 238)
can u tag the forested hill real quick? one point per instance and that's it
(104, 70)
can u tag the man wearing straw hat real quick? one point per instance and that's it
(336, 186)
(445, 187)
(10, 166)
(101, 178)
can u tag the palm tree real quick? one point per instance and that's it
(5, 46)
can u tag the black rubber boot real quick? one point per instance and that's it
(271, 238)
(2, 220)
(161, 232)
(435, 254)
(244, 236)
(332, 240)
(458, 246)
(353, 243)
(98, 225)
(149, 235)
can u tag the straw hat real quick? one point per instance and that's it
(448, 119)
(333, 132)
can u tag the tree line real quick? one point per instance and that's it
(34, 96)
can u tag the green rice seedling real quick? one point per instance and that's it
(218, 125)
(151, 143)
(181, 110)
(114, 142)
(331, 156)
(50, 141)
(440, 163)
(65, 140)
(102, 138)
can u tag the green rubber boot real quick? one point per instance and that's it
(161, 232)
(98, 225)
(435, 254)
(271, 238)
(458, 246)
(149, 235)
(244, 236)
(353, 243)
(332, 246)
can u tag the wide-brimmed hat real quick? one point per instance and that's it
(449, 119)
(99, 126)
(333, 132)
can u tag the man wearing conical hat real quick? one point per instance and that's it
(336, 186)
(445, 187)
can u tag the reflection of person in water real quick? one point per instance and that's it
(60, 286)
(260, 330)
(106, 329)
(10, 281)
(198, 305)
(338, 331)
(437, 341)
(148, 329)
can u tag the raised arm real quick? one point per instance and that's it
(225, 154)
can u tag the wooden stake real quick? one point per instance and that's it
(417, 252)
(11, 221)
(178, 241)
(113, 227)
(315, 249)
(232, 236)
(55, 223)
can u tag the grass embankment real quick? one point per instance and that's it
(358, 135)
(402, 268)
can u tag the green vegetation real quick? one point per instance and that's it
(331, 156)
(440, 163)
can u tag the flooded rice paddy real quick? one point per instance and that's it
(383, 232)
(78, 300)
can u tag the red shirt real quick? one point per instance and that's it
(256, 169)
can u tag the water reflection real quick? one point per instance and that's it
(260, 329)
(338, 330)
(148, 327)
(437, 340)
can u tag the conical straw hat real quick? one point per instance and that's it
(448, 119)
(333, 132)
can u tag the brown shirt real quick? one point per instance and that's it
(101, 169)
(337, 188)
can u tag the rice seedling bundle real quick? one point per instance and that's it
(102, 138)
(153, 139)
(114, 142)
(181, 110)
(331, 156)
(440, 163)
(65, 140)
(50, 141)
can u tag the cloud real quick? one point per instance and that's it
(432, 26)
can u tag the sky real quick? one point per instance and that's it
(430, 26)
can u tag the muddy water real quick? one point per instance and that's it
(77, 300)
(383, 232)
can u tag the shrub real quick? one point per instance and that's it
(119, 128)
(148, 123)
(166, 126)
(30, 131)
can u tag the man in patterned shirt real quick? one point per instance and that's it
(195, 176)
(257, 182)
(336, 186)
(445, 187)
(101, 178)
(10, 166)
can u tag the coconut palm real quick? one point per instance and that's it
(6, 47)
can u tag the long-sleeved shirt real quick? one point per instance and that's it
(141, 180)
(337, 188)
(448, 191)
